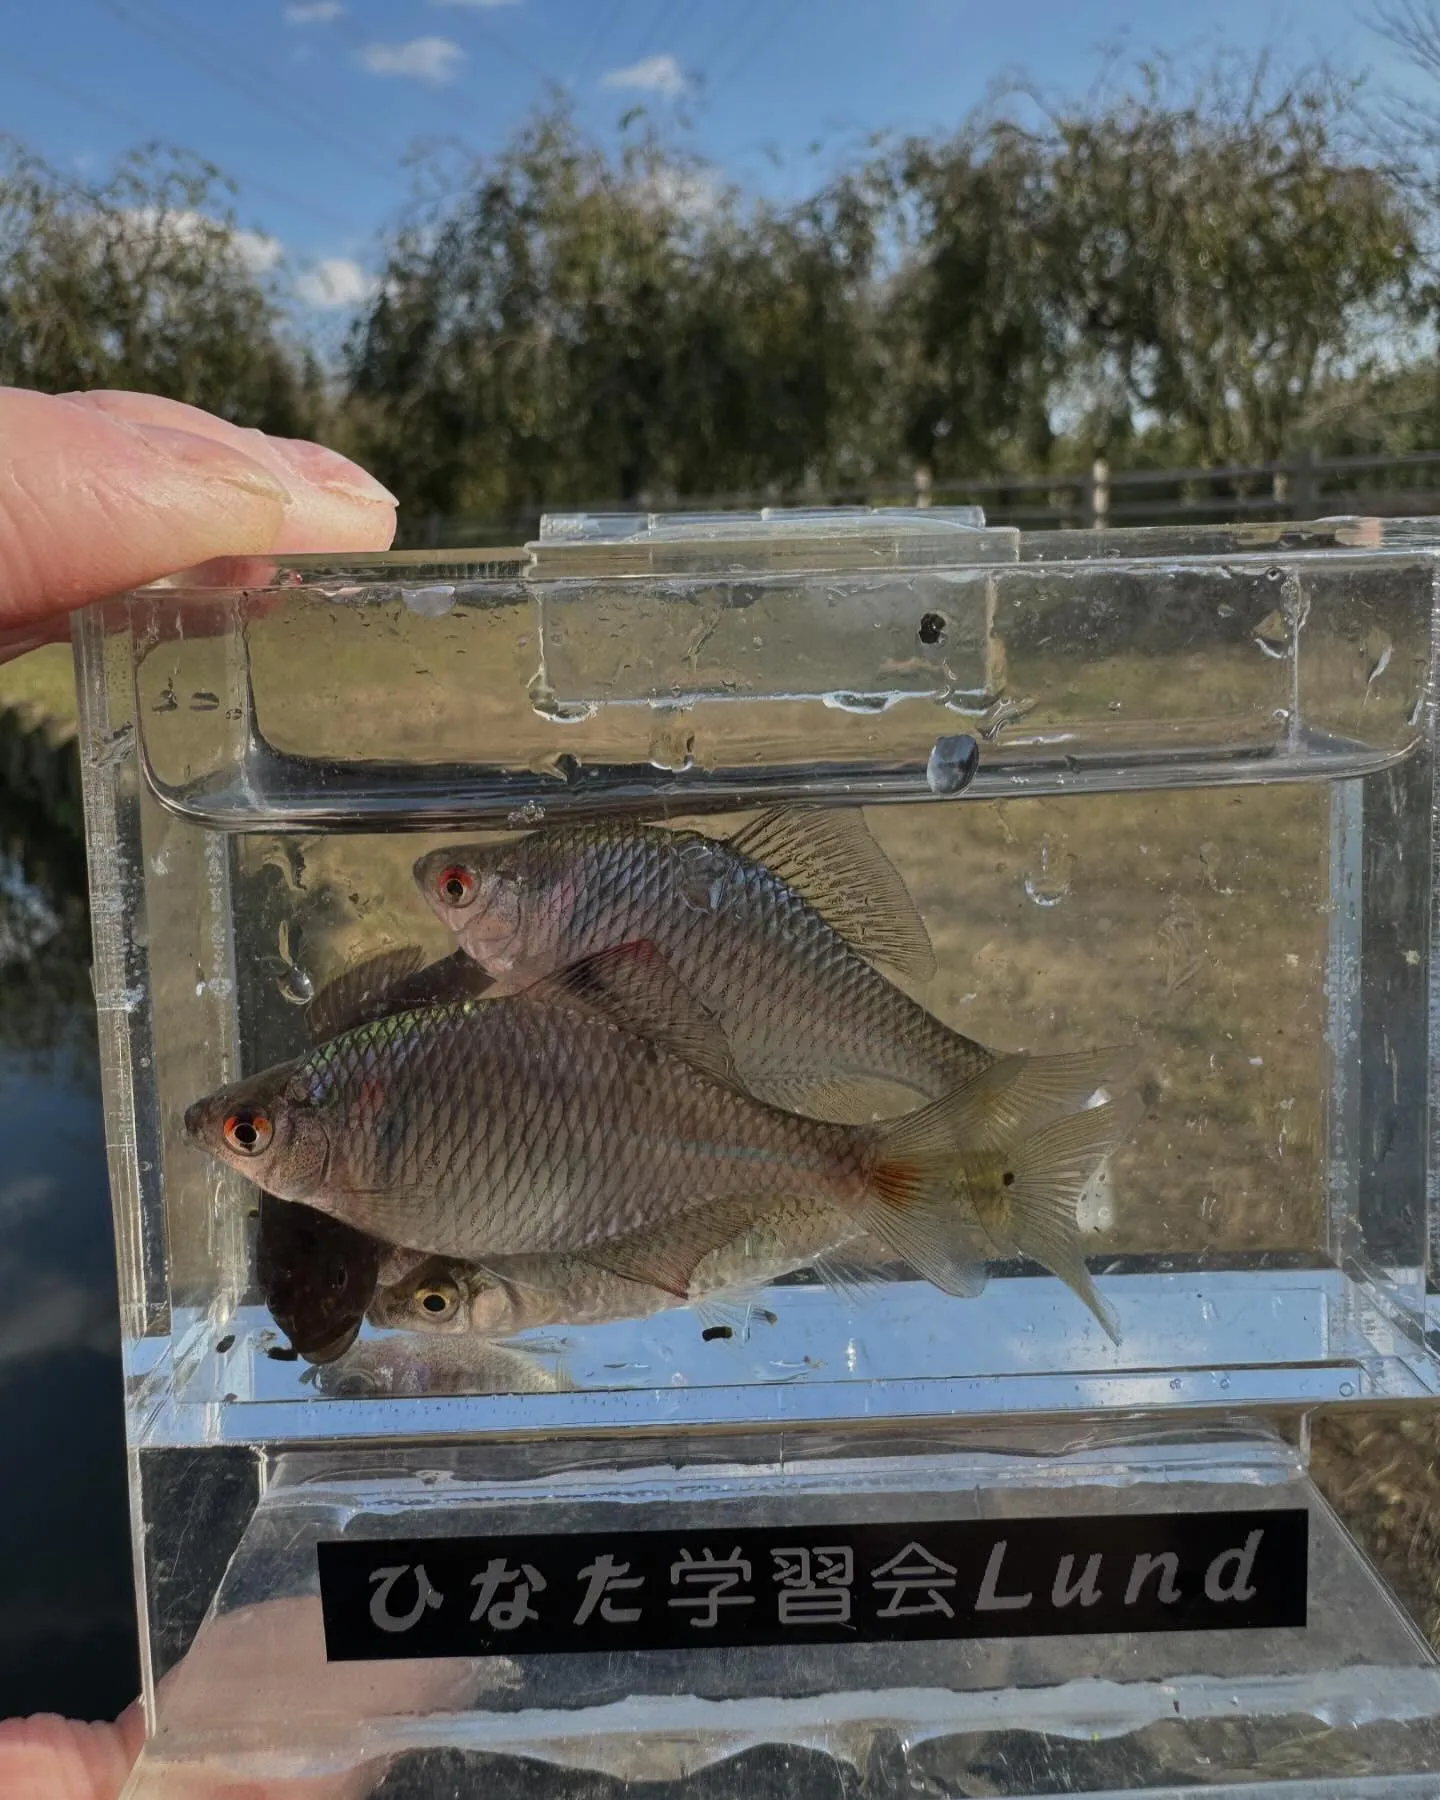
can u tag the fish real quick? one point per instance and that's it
(776, 931)
(316, 1274)
(402, 1367)
(513, 1294)
(602, 1103)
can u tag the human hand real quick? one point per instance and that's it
(255, 1686)
(100, 492)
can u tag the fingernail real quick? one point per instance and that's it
(209, 457)
(327, 469)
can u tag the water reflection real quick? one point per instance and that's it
(67, 1636)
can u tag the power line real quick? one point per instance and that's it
(662, 22)
(132, 122)
(221, 65)
(602, 28)
(766, 36)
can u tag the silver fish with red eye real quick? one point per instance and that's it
(588, 1111)
(775, 932)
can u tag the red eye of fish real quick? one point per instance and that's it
(248, 1132)
(456, 885)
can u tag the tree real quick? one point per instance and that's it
(143, 283)
(976, 331)
(1222, 257)
(569, 328)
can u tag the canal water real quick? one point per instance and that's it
(67, 1631)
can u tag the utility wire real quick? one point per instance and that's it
(132, 122)
(602, 28)
(220, 63)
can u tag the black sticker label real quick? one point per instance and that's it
(817, 1584)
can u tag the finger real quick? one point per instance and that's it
(334, 503)
(48, 1758)
(90, 505)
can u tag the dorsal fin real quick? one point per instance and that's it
(634, 987)
(390, 982)
(829, 857)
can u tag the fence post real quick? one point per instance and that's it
(1303, 494)
(1099, 493)
(924, 480)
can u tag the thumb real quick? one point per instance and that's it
(91, 505)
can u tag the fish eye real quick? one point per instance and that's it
(437, 1300)
(456, 885)
(248, 1133)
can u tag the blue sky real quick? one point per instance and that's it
(310, 105)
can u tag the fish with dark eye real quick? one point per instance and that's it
(776, 932)
(513, 1294)
(602, 1104)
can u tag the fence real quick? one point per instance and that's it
(1302, 486)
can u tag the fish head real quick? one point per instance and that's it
(429, 1298)
(509, 905)
(266, 1128)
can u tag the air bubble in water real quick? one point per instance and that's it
(429, 602)
(296, 987)
(1048, 884)
(531, 813)
(952, 765)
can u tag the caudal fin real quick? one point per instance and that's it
(945, 1199)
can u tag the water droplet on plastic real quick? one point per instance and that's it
(1049, 883)
(1176, 1383)
(1224, 1381)
(429, 602)
(952, 765)
(296, 987)
(531, 813)
(862, 703)
(545, 701)
(672, 743)
(1001, 713)
(1113, 705)
(1273, 635)
(1347, 1389)
(1207, 1312)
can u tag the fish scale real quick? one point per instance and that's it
(799, 1005)
(480, 1129)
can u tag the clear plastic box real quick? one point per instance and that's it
(1164, 789)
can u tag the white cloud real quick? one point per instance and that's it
(312, 12)
(337, 281)
(256, 253)
(693, 193)
(432, 59)
(652, 74)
